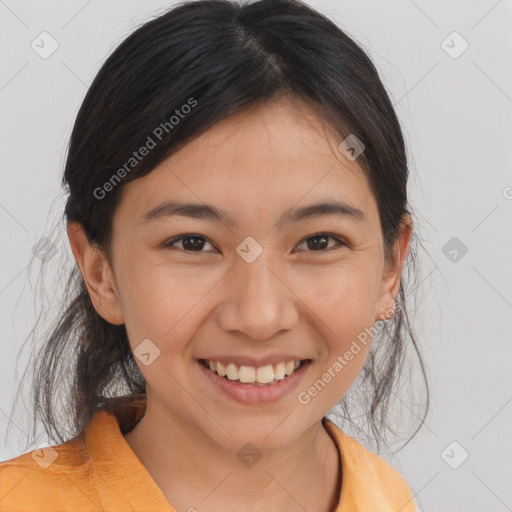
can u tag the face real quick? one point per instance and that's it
(253, 289)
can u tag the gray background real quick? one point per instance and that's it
(456, 114)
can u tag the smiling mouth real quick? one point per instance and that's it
(259, 376)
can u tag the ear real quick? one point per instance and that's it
(390, 283)
(97, 274)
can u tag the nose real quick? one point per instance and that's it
(257, 301)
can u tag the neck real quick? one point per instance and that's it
(194, 472)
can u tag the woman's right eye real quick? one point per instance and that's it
(189, 242)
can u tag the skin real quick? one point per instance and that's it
(307, 300)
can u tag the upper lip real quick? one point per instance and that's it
(253, 361)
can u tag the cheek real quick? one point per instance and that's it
(162, 303)
(341, 301)
(343, 296)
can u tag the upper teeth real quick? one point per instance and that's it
(262, 374)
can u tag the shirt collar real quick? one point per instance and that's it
(125, 477)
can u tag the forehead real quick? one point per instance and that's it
(258, 162)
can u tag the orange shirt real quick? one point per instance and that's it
(101, 473)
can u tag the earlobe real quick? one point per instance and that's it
(97, 275)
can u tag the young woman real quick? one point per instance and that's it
(238, 214)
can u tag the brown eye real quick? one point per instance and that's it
(189, 242)
(320, 242)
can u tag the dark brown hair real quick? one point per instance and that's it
(227, 56)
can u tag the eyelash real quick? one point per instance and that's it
(340, 243)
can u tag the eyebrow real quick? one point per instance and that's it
(211, 213)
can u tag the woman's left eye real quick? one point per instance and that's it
(321, 239)
(195, 243)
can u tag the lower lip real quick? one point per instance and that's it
(248, 394)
